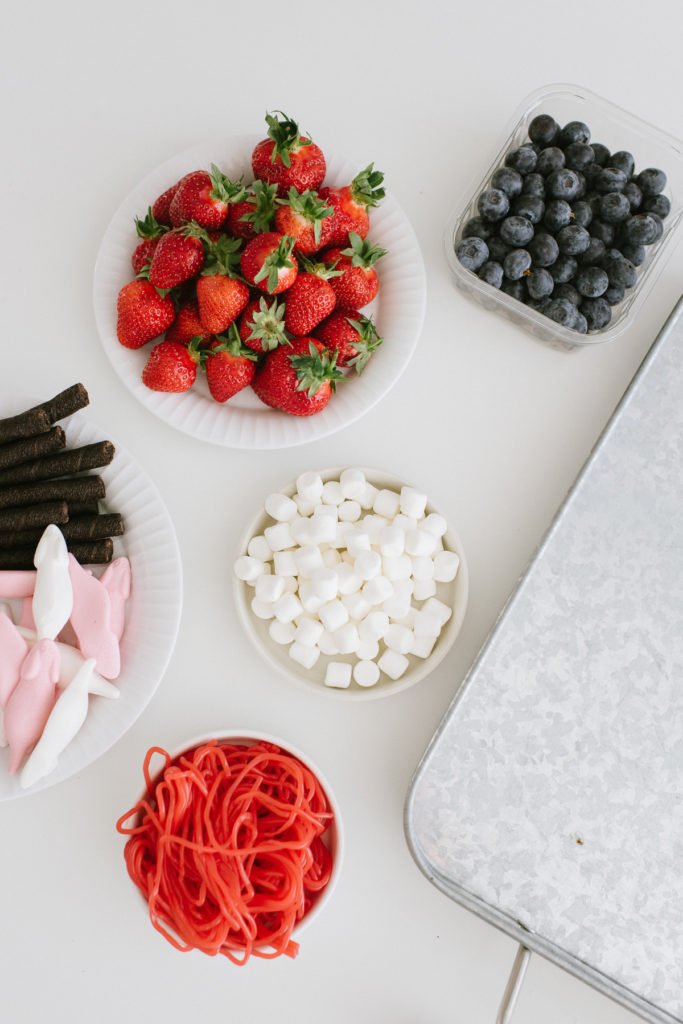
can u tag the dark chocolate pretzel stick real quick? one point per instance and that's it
(65, 403)
(86, 528)
(30, 448)
(82, 508)
(26, 424)
(75, 460)
(34, 516)
(96, 553)
(80, 490)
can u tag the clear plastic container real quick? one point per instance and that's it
(618, 130)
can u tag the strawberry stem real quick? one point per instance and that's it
(222, 257)
(362, 252)
(275, 261)
(225, 190)
(365, 187)
(368, 341)
(286, 136)
(149, 226)
(267, 325)
(315, 369)
(232, 343)
(310, 206)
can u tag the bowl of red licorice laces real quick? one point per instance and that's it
(235, 845)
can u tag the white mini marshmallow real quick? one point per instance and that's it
(269, 588)
(322, 529)
(347, 638)
(280, 507)
(248, 568)
(309, 600)
(301, 531)
(331, 558)
(420, 542)
(399, 568)
(356, 605)
(306, 656)
(392, 541)
(325, 583)
(434, 523)
(423, 567)
(373, 627)
(408, 620)
(392, 664)
(438, 609)
(282, 632)
(422, 645)
(406, 523)
(368, 565)
(446, 565)
(332, 493)
(291, 584)
(333, 615)
(279, 536)
(378, 590)
(326, 510)
(261, 609)
(342, 532)
(424, 589)
(353, 483)
(373, 526)
(308, 560)
(387, 503)
(367, 499)
(348, 579)
(310, 487)
(413, 502)
(338, 675)
(399, 638)
(285, 563)
(287, 608)
(308, 631)
(366, 673)
(327, 644)
(367, 650)
(304, 506)
(425, 624)
(258, 547)
(356, 541)
(349, 511)
(397, 606)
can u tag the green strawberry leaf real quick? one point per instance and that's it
(365, 187)
(368, 342)
(286, 136)
(362, 252)
(149, 227)
(315, 369)
(225, 190)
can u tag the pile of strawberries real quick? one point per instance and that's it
(258, 285)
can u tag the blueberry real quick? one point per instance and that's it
(563, 185)
(534, 185)
(567, 291)
(549, 160)
(563, 269)
(544, 249)
(593, 254)
(601, 154)
(597, 313)
(614, 208)
(605, 232)
(562, 311)
(516, 231)
(610, 179)
(634, 195)
(582, 185)
(658, 204)
(590, 173)
(544, 129)
(498, 250)
(591, 282)
(516, 289)
(573, 240)
(574, 131)
(622, 272)
(660, 225)
(582, 212)
(539, 283)
(623, 161)
(493, 204)
(578, 155)
(580, 324)
(522, 159)
(472, 253)
(651, 181)
(492, 273)
(640, 229)
(478, 228)
(516, 264)
(558, 213)
(615, 294)
(507, 180)
(634, 253)
(594, 201)
(531, 207)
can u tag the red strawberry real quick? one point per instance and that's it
(221, 295)
(288, 158)
(178, 257)
(302, 216)
(204, 198)
(150, 231)
(352, 335)
(187, 325)
(358, 283)
(161, 206)
(230, 367)
(253, 215)
(171, 367)
(298, 380)
(142, 254)
(143, 314)
(311, 298)
(268, 263)
(350, 205)
(262, 325)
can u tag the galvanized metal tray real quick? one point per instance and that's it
(550, 800)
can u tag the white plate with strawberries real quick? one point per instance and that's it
(267, 313)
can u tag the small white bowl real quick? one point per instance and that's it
(453, 594)
(334, 837)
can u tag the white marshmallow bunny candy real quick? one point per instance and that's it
(353, 484)
(53, 594)
(281, 508)
(310, 487)
(338, 675)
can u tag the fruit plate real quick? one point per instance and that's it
(152, 611)
(244, 422)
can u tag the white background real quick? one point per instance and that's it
(491, 423)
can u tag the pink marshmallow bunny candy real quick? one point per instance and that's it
(91, 621)
(31, 701)
(116, 580)
(13, 650)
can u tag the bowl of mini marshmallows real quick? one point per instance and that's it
(350, 582)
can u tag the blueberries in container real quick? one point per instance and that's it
(516, 264)
(601, 154)
(544, 130)
(593, 254)
(522, 159)
(533, 185)
(634, 196)
(549, 160)
(544, 249)
(634, 253)
(615, 294)
(563, 185)
(605, 232)
(558, 213)
(493, 204)
(531, 207)
(563, 269)
(610, 179)
(539, 283)
(614, 207)
(516, 231)
(578, 156)
(597, 312)
(492, 273)
(562, 311)
(591, 282)
(476, 227)
(580, 324)
(623, 161)
(567, 291)
(651, 181)
(498, 250)
(582, 213)
(640, 229)
(516, 289)
(472, 253)
(574, 131)
(507, 180)
(622, 272)
(573, 240)
(658, 204)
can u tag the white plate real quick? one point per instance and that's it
(453, 594)
(152, 612)
(244, 422)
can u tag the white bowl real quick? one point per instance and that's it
(152, 611)
(334, 837)
(244, 422)
(453, 594)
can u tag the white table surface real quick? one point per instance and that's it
(491, 423)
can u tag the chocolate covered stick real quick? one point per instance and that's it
(65, 403)
(30, 448)
(26, 424)
(80, 489)
(32, 517)
(64, 463)
(96, 553)
(86, 528)
(82, 508)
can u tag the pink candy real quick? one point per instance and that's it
(32, 700)
(92, 621)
